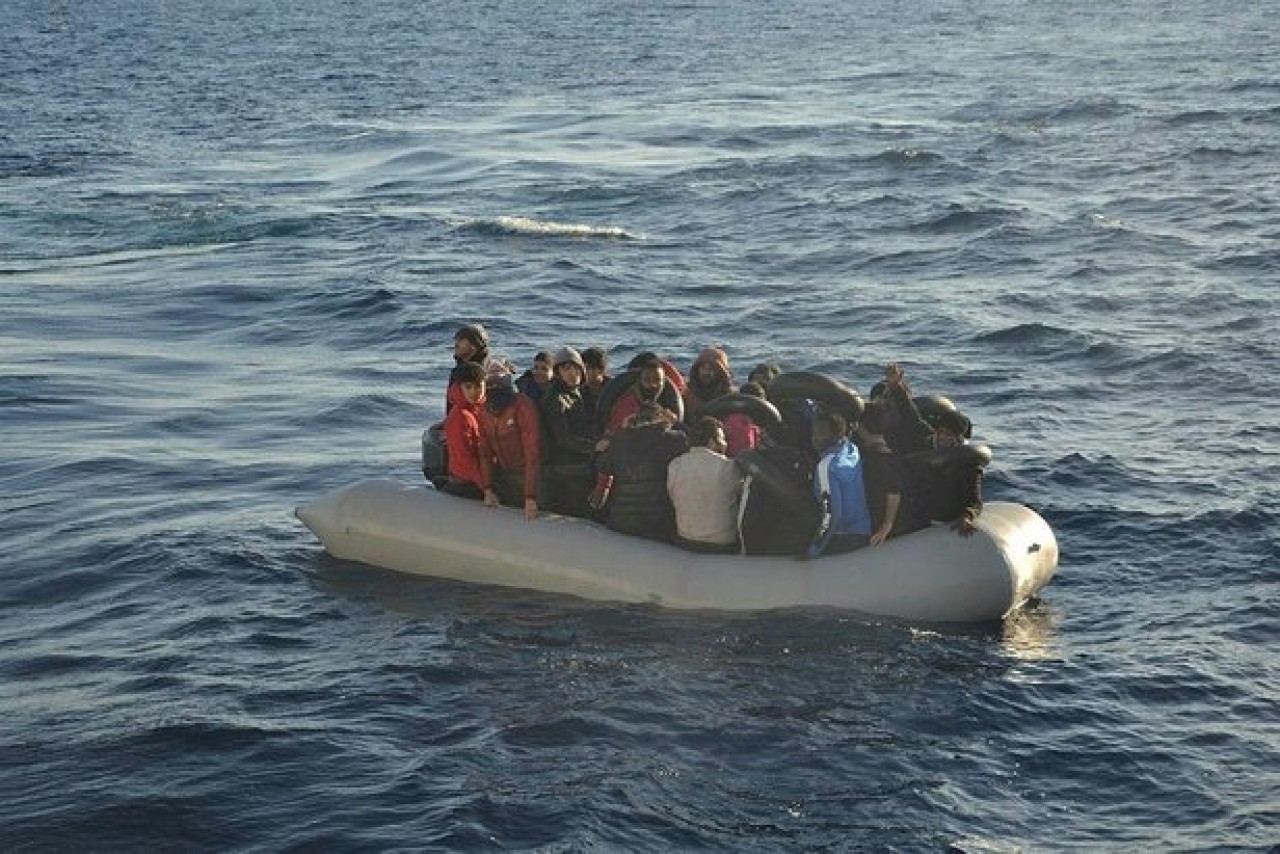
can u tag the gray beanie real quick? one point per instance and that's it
(567, 355)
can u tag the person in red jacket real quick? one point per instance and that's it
(462, 432)
(510, 445)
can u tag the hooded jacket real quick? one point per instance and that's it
(511, 441)
(462, 437)
(838, 486)
(697, 393)
(569, 426)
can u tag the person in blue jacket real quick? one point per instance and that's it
(845, 522)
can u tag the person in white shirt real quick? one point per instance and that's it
(705, 488)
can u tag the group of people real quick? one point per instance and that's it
(640, 453)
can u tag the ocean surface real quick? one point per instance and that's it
(236, 238)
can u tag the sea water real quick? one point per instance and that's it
(236, 239)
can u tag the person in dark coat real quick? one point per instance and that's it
(470, 344)
(884, 478)
(569, 438)
(905, 429)
(949, 488)
(535, 381)
(636, 460)
(779, 511)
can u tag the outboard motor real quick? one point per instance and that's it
(435, 454)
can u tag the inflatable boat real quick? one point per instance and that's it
(932, 576)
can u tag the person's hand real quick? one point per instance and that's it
(490, 498)
(964, 526)
(530, 509)
(894, 374)
(602, 446)
(881, 534)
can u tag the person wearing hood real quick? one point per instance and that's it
(709, 378)
(470, 344)
(569, 438)
(510, 445)
(462, 432)
(636, 460)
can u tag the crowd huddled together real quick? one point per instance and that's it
(784, 464)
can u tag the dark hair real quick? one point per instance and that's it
(703, 429)
(470, 372)
(753, 389)
(640, 359)
(594, 357)
(475, 333)
(834, 421)
(955, 422)
(542, 356)
(764, 373)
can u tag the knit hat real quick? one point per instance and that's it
(567, 355)
(476, 334)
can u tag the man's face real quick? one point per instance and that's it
(569, 374)
(595, 376)
(707, 372)
(542, 372)
(463, 348)
(472, 391)
(650, 383)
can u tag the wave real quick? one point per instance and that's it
(906, 157)
(530, 227)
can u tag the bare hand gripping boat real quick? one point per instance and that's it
(926, 577)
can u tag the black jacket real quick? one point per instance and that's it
(779, 514)
(637, 457)
(568, 426)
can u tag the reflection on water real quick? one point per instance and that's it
(1031, 633)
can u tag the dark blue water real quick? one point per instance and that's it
(236, 238)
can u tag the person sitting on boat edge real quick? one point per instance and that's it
(883, 477)
(510, 445)
(569, 438)
(709, 378)
(635, 464)
(845, 522)
(705, 488)
(470, 345)
(779, 513)
(951, 491)
(535, 381)
(462, 432)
